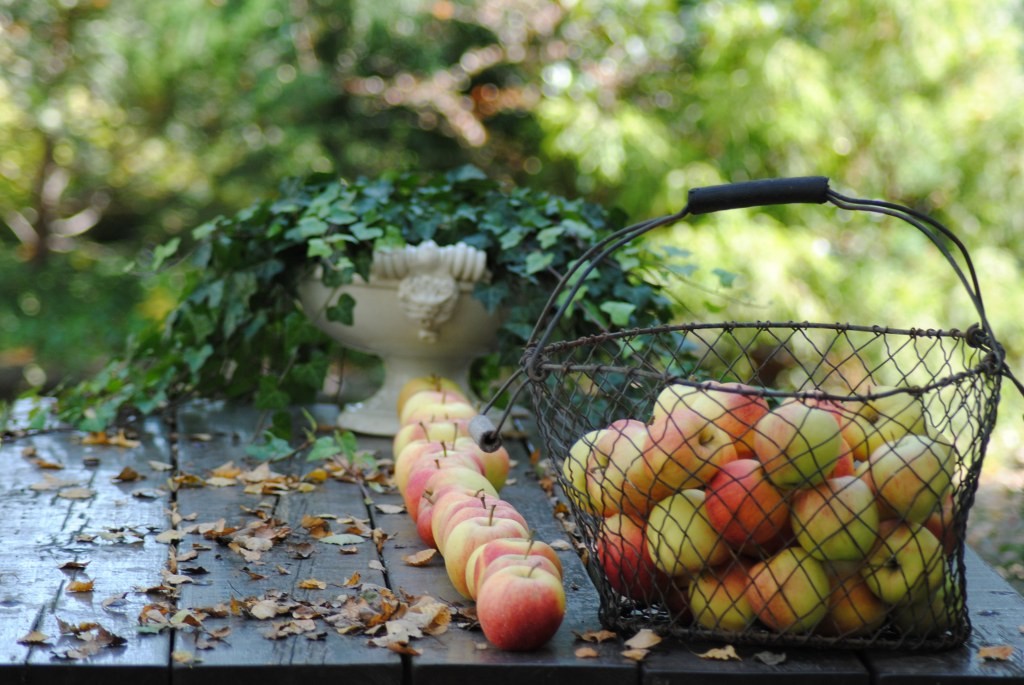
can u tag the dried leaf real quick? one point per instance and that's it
(80, 586)
(343, 539)
(560, 545)
(76, 493)
(586, 653)
(352, 580)
(996, 652)
(376, 565)
(421, 558)
(727, 653)
(220, 482)
(403, 648)
(128, 475)
(33, 638)
(770, 658)
(51, 482)
(160, 465)
(264, 609)
(390, 508)
(302, 550)
(597, 635)
(73, 565)
(169, 536)
(312, 584)
(227, 470)
(47, 465)
(183, 657)
(645, 639)
(636, 654)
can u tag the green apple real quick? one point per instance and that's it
(789, 591)
(718, 597)
(615, 469)
(439, 431)
(889, 418)
(798, 445)
(836, 520)
(680, 538)
(906, 564)
(912, 475)
(574, 471)
(940, 611)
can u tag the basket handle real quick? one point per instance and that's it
(777, 191)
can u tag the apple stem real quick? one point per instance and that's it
(490, 517)
(529, 547)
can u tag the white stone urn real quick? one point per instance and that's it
(417, 313)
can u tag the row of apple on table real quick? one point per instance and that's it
(812, 516)
(450, 488)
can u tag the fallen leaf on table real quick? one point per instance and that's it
(80, 586)
(586, 653)
(403, 648)
(421, 558)
(996, 652)
(160, 465)
(644, 639)
(127, 475)
(312, 584)
(51, 482)
(180, 656)
(33, 638)
(597, 635)
(352, 580)
(264, 609)
(727, 653)
(169, 536)
(47, 465)
(343, 539)
(220, 482)
(73, 565)
(76, 493)
(390, 508)
(636, 654)
(376, 565)
(560, 545)
(770, 658)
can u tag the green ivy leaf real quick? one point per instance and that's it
(538, 261)
(618, 312)
(725, 278)
(342, 311)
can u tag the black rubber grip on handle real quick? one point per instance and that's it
(772, 191)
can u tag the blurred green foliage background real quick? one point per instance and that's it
(123, 124)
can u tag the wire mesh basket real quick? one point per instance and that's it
(717, 499)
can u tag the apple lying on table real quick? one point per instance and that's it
(797, 445)
(507, 548)
(438, 411)
(718, 597)
(470, 534)
(434, 481)
(430, 382)
(837, 520)
(520, 608)
(438, 431)
(420, 452)
(733, 407)
(789, 591)
(680, 538)
(496, 464)
(743, 505)
(912, 475)
(500, 509)
(429, 398)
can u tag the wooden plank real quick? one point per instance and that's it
(456, 656)
(110, 531)
(276, 575)
(997, 618)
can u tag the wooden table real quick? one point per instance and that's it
(170, 592)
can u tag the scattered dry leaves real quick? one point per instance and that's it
(645, 639)
(80, 586)
(117, 440)
(312, 584)
(33, 638)
(390, 508)
(421, 558)
(597, 635)
(76, 493)
(770, 658)
(586, 653)
(636, 654)
(127, 475)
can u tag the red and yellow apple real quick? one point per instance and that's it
(743, 505)
(520, 608)
(837, 520)
(789, 591)
(797, 445)
(522, 549)
(853, 610)
(623, 554)
(906, 565)
(684, 450)
(431, 383)
(470, 534)
(733, 407)
(718, 597)
(912, 475)
(680, 539)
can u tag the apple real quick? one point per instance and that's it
(430, 382)
(789, 591)
(507, 548)
(429, 398)
(853, 429)
(677, 600)
(623, 554)
(433, 412)
(450, 501)
(470, 534)
(417, 483)
(520, 608)
(473, 584)
(680, 539)
(743, 505)
(498, 510)
(846, 464)
(733, 407)
(419, 453)
(435, 480)
(941, 610)
(798, 445)
(718, 598)
(912, 475)
(906, 565)
(496, 464)
(684, 450)
(618, 451)
(574, 471)
(437, 431)
(942, 524)
(836, 520)
(889, 418)
(852, 608)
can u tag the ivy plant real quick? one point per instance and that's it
(237, 331)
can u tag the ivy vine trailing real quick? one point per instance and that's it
(238, 332)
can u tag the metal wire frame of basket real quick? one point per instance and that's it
(719, 498)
